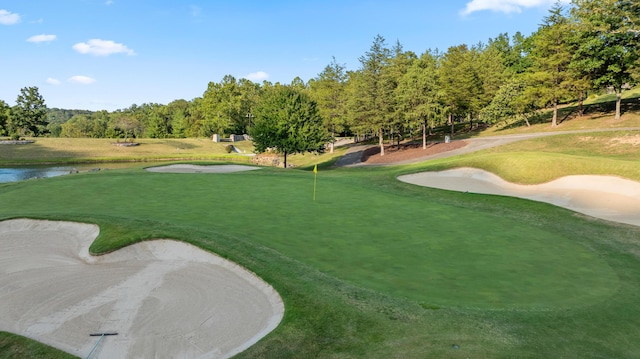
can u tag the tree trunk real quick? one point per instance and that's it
(618, 103)
(285, 159)
(581, 104)
(554, 121)
(333, 134)
(451, 122)
(526, 120)
(470, 122)
(381, 142)
(424, 136)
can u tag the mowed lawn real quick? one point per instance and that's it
(398, 245)
(375, 268)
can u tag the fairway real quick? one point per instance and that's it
(400, 246)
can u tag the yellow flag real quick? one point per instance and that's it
(315, 175)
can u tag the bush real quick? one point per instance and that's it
(15, 137)
(228, 148)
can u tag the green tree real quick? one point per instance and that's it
(328, 90)
(608, 52)
(418, 94)
(250, 93)
(459, 81)
(5, 112)
(509, 102)
(398, 65)
(288, 120)
(221, 106)
(29, 115)
(369, 107)
(77, 126)
(550, 80)
(159, 122)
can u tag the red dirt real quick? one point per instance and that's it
(410, 151)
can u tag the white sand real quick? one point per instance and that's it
(186, 168)
(166, 299)
(606, 197)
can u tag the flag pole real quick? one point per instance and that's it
(315, 175)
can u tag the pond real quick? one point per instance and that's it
(19, 173)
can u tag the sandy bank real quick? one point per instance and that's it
(166, 299)
(607, 197)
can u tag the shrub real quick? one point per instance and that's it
(228, 148)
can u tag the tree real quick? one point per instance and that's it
(392, 74)
(369, 108)
(508, 102)
(221, 107)
(459, 81)
(29, 115)
(128, 125)
(288, 120)
(418, 95)
(550, 80)
(328, 90)
(5, 112)
(609, 39)
(77, 126)
(250, 93)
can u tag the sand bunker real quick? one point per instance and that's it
(185, 168)
(164, 298)
(607, 197)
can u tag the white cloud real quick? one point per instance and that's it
(100, 47)
(41, 38)
(257, 76)
(8, 18)
(52, 81)
(505, 6)
(83, 80)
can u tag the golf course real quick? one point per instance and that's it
(378, 268)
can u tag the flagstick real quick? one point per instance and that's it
(315, 176)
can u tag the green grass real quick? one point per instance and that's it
(81, 150)
(375, 267)
(547, 158)
(15, 346)
(598, 113)
(402, 253)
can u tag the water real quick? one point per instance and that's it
(24, 173)
(20, 173)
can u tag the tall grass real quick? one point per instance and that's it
(78, 150)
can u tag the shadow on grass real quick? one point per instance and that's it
(595, 110)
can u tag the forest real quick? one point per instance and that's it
(589, 46)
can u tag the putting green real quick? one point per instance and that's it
(402, 246)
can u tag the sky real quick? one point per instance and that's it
(110, 54)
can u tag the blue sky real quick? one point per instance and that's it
(110, 54)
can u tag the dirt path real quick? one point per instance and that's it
(368, 155)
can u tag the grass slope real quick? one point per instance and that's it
(547, 158)
(80, 150)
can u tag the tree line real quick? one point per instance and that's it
(589, 46)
